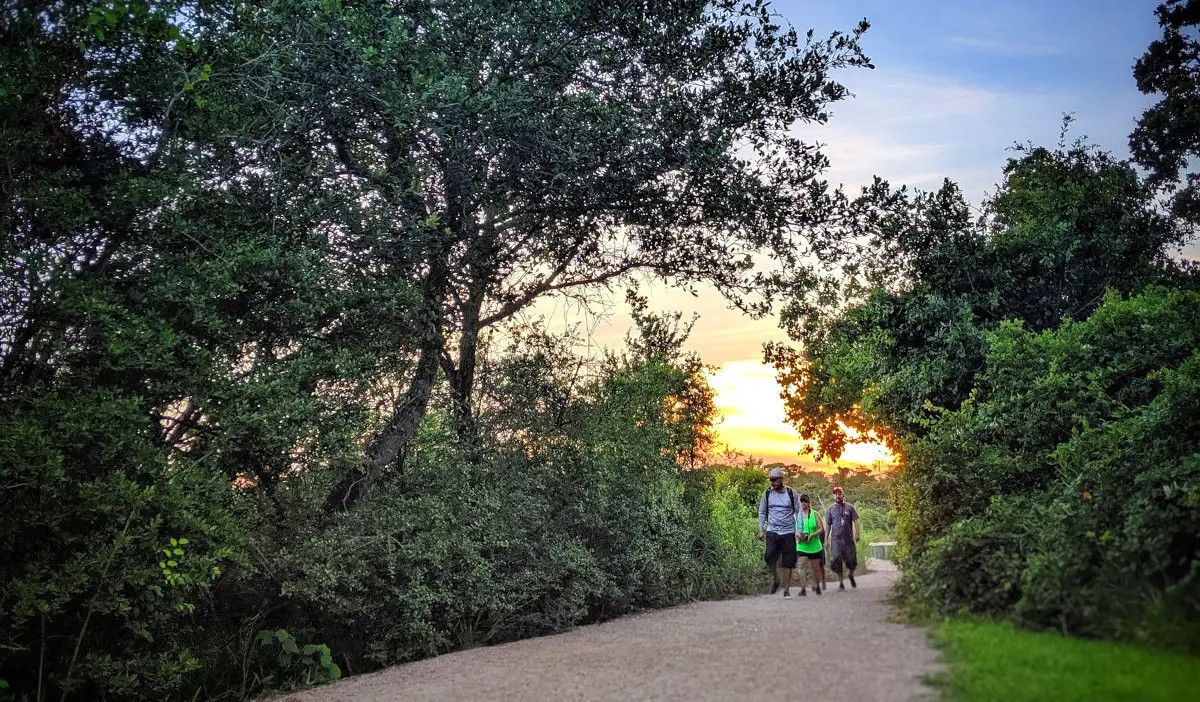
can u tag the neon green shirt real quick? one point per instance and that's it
(807, 526)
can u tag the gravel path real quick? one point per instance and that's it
(745, 649)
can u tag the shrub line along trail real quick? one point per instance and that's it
(750, 648)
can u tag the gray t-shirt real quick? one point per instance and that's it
(776, 514)
(839, 520)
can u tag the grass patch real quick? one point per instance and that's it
(990, 661)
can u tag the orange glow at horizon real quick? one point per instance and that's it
(747, 398)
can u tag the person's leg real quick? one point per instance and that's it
(818, 572)
(836, 565)
(787, 561)
(805, 566)
(771, 556)
(851, 564)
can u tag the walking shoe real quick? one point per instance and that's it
(841, 586)
(852, 583)
(774, 586)
(787, 594)
(817, 589)
(803, 592)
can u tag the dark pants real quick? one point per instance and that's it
(781, 550)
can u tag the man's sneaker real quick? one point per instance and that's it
(774, 586)
(817, 589)
(803, 592)
(841, 586)
(852, 583)
(787, 594)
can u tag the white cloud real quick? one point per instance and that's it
(917, 130)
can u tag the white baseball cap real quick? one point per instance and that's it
(776, 473)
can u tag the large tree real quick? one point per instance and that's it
(1167, 138)
(502, 152)
(900, 329)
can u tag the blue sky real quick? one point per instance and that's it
(958, 82)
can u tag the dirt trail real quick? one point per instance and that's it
(743, 649)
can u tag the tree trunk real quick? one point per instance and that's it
(462, 378)
(390, 446)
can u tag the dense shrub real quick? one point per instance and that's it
(461, 554)
(1094, 530)
(1034, 368)
(580, 520)
(108, 551)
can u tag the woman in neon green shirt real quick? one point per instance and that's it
(809, 528)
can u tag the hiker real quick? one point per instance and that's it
(844, 531)
(809, 528)
(777, 526)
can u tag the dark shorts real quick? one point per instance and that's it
(818, 556)
(844, 556)
(781, 550)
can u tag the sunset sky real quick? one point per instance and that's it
(955, 85)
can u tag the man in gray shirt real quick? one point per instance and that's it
(777, 526)
(841, 519)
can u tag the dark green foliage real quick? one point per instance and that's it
(583, 513)
(1167, 138)
(1089, 433)
(490, 154)
(1036, 370)
(586, 520)
(108, 553)
(248, 249)
(906, 327)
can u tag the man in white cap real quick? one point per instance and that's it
(777, 526)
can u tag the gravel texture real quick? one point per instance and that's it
(748, 648)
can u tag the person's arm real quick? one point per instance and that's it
(820, 529)
(762, 516)
(857, 525)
